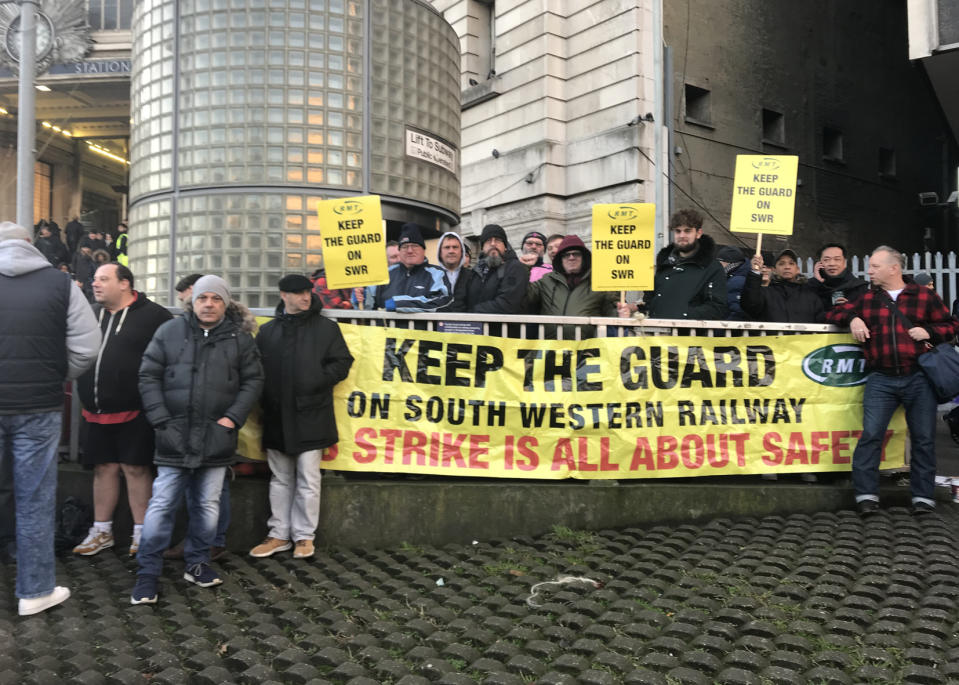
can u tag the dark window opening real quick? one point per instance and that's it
(774, 127)
(698, 109)
(832, 148)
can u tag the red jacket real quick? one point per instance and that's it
(889, 348)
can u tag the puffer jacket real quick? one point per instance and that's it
(692, 287)
(190, 378)
(555, 295)
(304, 356)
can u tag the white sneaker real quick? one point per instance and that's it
(94, 543)
(28, 607)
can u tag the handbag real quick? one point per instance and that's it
(940, 363)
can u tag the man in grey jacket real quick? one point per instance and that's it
(49, 334)
(200, 377)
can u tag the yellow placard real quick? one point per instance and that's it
(623, 246)
(764, 194)
(354, 241)
(629, 407)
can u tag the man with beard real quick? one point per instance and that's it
(463, 282)
(690, 282)
(832, 279)
(503, 277)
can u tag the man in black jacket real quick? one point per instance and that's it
(464, 284)
(786, 298)
(504, 278)
(117, 435)
(832, 278)
(415, 285)
(199, 379)
(304, 356)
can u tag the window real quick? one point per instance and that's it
(832, 148)
(698, 106)
(485, 38)
(887, 162)
(42, 191)
(774, 127)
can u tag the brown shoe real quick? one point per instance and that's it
(304, 549)
(269, 547)
(216, 552)
(175, 552)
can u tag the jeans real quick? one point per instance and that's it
(202, 488)
(882, 397)
(8, 529)
(224, 521)
(30, 441)
(294, 494)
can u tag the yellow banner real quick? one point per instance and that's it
(764, 194)
(623, 247)
(354, 242)
(632, 407)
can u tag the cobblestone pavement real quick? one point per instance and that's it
(800, 599)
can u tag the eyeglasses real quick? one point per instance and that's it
(572, 255)
(408, 246)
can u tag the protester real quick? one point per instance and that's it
(200, 378)
(832, 279)
(51, 247)
(184, 289)
(566, 290)
(304, 356)
(893, 321)
(786, 299)
(503, 278)
(736, 266)
(184, 294)
(49, 334)
(924, 279)
(552, 246)
(689, 283)
(464, 284)
(339, 298)
(415, 285)
(392, 252)
(532, 249)
(117, 435)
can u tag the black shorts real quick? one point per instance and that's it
(123, 443)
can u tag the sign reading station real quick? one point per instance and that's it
(354, 242)
(623, 246)
(764, 194)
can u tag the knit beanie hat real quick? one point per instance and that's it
(410, 233)
(212, 284)
(493, 231)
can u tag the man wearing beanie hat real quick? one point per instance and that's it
(504, 278)
(787, 298)
(304, 356)
(566, 290)
(199, 379)
(415, 284)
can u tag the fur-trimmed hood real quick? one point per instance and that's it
(703, 257)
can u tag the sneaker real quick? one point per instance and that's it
(269, 547)
(28, 607)
(175, 552)
(867, 507)
(145, 590)
(923, 509)
(94, 543)
(304, 549)
(216, 552)
(134, 547)
(202, 575)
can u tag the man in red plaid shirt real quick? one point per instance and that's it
(892, 348)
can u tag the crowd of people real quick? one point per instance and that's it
(78, 251)
(167, 395)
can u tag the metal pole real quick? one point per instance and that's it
(26, 114)
(659, 169)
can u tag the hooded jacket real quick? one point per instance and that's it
(463, 280)
(191, 377)
(420, 288)
(692, 287)
(557, 294)
(304, 355)
(845, 284)
(785, 301)
(110, 385)
(48, 332)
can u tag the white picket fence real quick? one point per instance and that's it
(942, 267)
